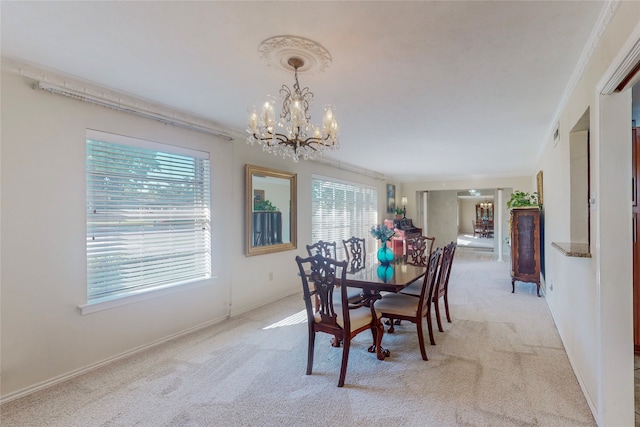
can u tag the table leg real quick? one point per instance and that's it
(378, 332)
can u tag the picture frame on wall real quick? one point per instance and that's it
(539, 182)
(391, 198)
(258, 197)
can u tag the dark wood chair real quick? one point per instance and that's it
(355, 251)
(329, 250)
(478, 229)
(326, 249)
(411, 308)
(418, 253)
(419, 250)
(442, 288)
(489, 229)
(343, 321)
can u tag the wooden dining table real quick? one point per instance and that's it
(374, 278)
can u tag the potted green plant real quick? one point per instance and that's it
(264, 205)
(399, 213)
(521, 199)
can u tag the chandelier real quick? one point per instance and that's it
(485, 205)
(292, 134)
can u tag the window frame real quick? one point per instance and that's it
(356, 222)
(172, 232)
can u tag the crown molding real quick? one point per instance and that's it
(623, 66)
(355, 169)
(66, 85)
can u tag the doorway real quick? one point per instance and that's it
(476, 225)
(451, 215)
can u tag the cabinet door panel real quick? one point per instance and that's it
(525, 246)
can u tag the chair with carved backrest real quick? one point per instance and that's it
(326, 249)
(442, 288)
(320, 277)
(408, 307)
(355, 251)
(329, 250)
(419, 249)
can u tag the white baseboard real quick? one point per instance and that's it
(265, 302)
(64, 377)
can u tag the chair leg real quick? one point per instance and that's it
(437, 307)
(345, 359)
(312, 340)
(421, 339)
(391, 328)
(430, 327)
(378, 331)
(446, 306)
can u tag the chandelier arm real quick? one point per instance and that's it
(282, 139)
(313, 140)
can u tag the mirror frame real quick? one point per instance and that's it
(250, 171)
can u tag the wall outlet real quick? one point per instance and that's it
(270, 276)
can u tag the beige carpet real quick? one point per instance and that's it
(500, 363)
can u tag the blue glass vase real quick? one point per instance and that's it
(385, 272)
(385, 254)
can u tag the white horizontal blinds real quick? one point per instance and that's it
(341, 210)
(148, 218)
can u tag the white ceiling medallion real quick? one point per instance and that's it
(276, 52)
(291, 133)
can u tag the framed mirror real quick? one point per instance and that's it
(270, 202)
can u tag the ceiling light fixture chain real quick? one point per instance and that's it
(293, 135)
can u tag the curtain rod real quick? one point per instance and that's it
(128, 105)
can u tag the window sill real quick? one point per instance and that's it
(113, 302)
(577, 250)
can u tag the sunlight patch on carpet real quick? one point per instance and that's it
(464, 242)
(294, 319)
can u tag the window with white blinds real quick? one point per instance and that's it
(148, 216)
(341, 210)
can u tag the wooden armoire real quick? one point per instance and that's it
(525, 246)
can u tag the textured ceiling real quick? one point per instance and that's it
(423, 90)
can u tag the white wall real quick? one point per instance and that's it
(591, 298)
(43, 241)
(44, 336)
(579, 172)
(443, 221)
(467, 214)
